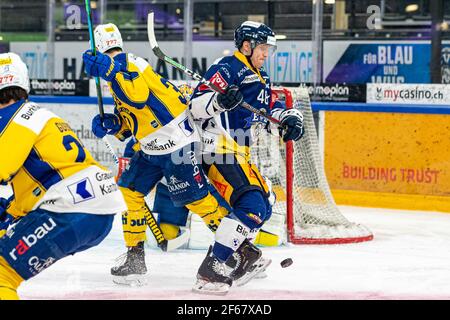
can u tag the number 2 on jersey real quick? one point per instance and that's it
(67, 142)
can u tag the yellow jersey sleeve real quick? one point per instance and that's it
(125, 128)
(129, 84)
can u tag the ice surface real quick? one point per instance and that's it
(409, 258)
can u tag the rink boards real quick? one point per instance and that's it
(374, 155)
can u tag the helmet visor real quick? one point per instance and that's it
(268, 49)
(272, 45)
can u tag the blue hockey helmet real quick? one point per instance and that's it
(254, 32)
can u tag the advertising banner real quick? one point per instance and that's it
(291, 62)
(59, 87)
(336, 92)
(428, 94)
(378, 61)
(388, 152)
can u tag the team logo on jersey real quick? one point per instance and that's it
(81, 191)
(208, 140)
(186, 127)
(242, 71)
(37, 192)
(27, 241)
(40, 264)
(225, 70)
(197, 173)
(219, 81)
(174, 180)
(154, 123)
(221, 188)
(254, 217)
(176, 185)
(250, 79)
(254, 119)
(138, 222)
(154, 146)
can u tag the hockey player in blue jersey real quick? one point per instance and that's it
(228, 132)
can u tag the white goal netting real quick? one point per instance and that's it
(298, 178)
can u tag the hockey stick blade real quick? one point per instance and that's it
(170, 245)
(151, 31)
(161, 55)
(179, 241)
(163, 243)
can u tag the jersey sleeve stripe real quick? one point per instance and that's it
(160, 110)
(123, 96)
(41, 171)
(7, 116)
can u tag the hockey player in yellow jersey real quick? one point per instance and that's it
(153, 111)
(64, 202)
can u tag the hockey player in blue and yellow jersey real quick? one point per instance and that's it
(153, 111)
(64, 202)
(227, 135)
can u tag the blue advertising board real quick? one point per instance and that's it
(403, 62)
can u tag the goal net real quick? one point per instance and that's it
(298, 179)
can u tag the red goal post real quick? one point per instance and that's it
(298, 176)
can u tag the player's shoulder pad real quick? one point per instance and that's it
(139, 62)
(224, 65)
(33, 117)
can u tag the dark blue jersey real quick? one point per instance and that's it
(254, 85)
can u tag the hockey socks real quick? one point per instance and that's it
(209, 210)
(229, 236)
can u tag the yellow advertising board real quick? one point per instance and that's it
(398, 160)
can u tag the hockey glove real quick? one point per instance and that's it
(100, 65)
(292, 125)
(230, 99)
(110, 124)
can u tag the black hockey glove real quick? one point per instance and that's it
(292, 125)
(230, 99)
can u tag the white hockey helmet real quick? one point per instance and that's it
(13, 72)
(107, 36)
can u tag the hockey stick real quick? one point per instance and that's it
(163, 243)
(158, 52)
(97, 80)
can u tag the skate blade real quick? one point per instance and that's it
(261, 266)
(211, 288)
(261, 275)
(133, 280)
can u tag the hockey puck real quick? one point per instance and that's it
(286, 263)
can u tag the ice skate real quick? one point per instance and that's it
(132, 271)
(211, 278)
(247, 263)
